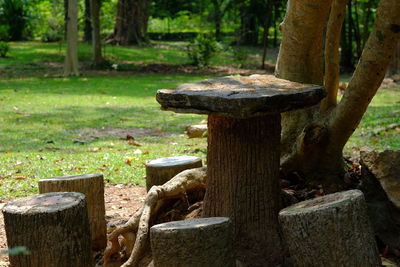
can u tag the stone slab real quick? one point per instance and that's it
(240, 97)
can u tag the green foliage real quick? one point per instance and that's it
(202, 49)
(4, 32)
(4, 48)
(14, 14)
(239, 53)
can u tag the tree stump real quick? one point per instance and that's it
(160, 171)
(54, 227)
(193, 243)
(92, 185)
(333, 230)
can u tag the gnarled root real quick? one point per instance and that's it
(138, 226)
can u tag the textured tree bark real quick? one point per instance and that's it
(193, 243)
(95, 6)
(131, 22)
(243, 184)
(71, 57)
(54, 227)
(330, 231)
(92, 185)
(161, 170)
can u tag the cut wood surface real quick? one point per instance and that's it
(160, 171)
(240, 97)
(54, 227)
(330, 231)
(193, 243)
(92, 186)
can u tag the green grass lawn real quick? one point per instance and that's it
(46, 126)
(53, 126)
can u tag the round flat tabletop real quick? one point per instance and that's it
(240, 97)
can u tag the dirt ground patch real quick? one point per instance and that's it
(121, 203)
(87, 133)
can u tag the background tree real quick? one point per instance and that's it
(87, 30)
(71, 57)
(319, 135)
(95, 6)
(131, 22)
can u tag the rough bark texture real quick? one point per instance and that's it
(96, 38)
(54, 227)
(160, 171)
(92, 185)
(243, 184)
(71, 57)
(193, 243)
(330, 231)
(131, 22)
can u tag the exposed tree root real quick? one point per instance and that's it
(136, 230)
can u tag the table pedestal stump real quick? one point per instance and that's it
(54, 227)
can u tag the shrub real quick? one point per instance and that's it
(13, 13)
(4, 48)
(202, 49)
(4, 33)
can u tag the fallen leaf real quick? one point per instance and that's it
(19, 178)
(8, 154)
(145, 152)
(95, 149)
(134, 143)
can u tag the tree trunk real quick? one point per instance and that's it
(131, 22)
(319, 140)
(54, 227)
(95, 6)
(92, 185)
(330, 231)
(160, 171)
(193, 243)
(241, 187)
(71, 57)
(395, 64)
(87, 30)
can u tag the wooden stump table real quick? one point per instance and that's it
(54, 227)
(243, 153)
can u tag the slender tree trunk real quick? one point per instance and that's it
(131, 22)
(217, 19)
(87, 30)
(71, 57)
(332, 54)
(95, 6)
